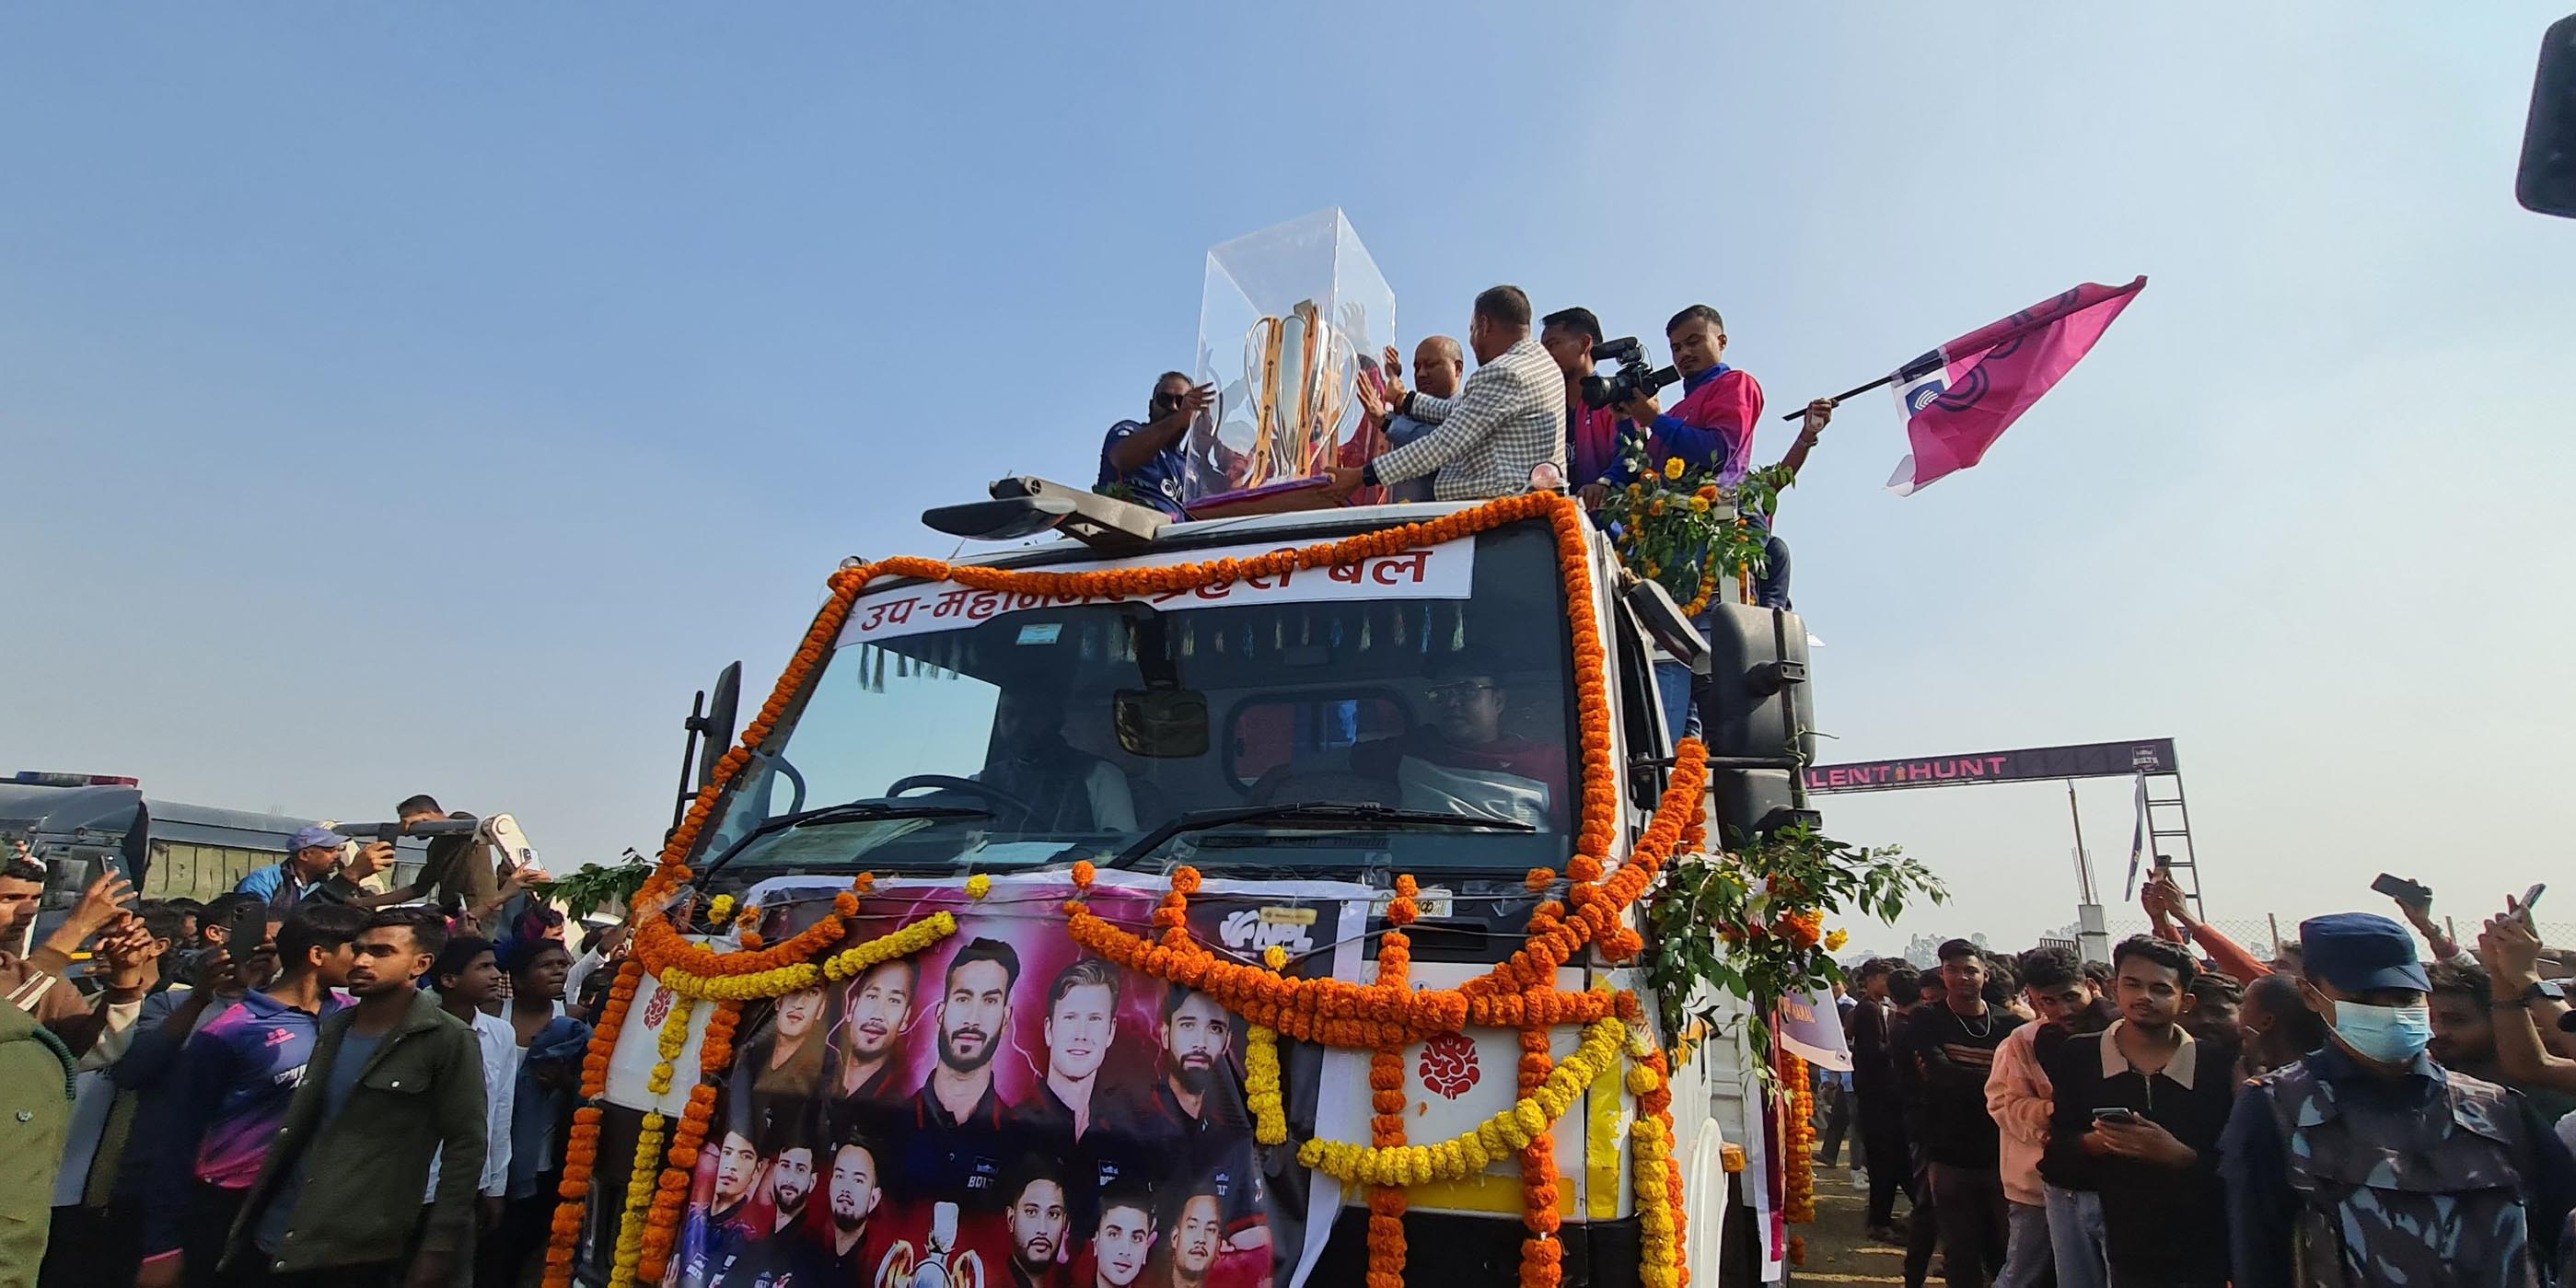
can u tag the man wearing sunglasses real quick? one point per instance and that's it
(1462, 761)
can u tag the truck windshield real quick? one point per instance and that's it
(1434, 680)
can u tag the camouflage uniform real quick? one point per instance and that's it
(2398, 1196)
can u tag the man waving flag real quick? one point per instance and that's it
(1961, 397)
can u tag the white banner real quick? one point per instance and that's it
(1428, 572)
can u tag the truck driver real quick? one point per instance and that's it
(1463, 762)
(1066, 789)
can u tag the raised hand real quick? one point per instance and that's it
(2509, 948)
(1820, 413)
(102, 904)
(371, 858)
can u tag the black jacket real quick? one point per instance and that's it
(1955, 1128)
(2155, 1220)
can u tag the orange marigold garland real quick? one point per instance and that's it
(581, 1150)
(1540, 1251)
(1680, 822)
(1386, 1095)
(1798, 1136)
(1600, 823)
(1517, 993)
(1380, 1016)
(1327, 1011)
(671, 1196)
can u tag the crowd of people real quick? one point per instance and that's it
(308, 1080)
(2355, 1111)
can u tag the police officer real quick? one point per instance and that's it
(2369, 1164)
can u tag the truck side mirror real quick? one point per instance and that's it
(1760, 717)
(1664, 621)
(2546, 183)
(715, 728)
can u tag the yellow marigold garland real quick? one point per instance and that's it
(1261, 1071)
(1519, 995)
(979, 885)
(1663, 1230)
(639, 1196)
(859, 959)
(667, 1043)
(1650, 1145)
(782, 980)
(671, 1194)
(1497, 1138)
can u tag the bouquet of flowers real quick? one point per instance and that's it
(1750, 923)
(1680, 528)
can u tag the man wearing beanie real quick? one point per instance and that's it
(2368, 1163)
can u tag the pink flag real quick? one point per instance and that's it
(1961, 397)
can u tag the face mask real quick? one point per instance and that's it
(2388, 1034)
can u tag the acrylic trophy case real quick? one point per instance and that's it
(1291, 320)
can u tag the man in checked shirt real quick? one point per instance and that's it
(1504, 424)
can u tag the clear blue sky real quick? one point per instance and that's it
(429, 397)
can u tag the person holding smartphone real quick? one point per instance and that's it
(2414, 900)
(2139, 1109)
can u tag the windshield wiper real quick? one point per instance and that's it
(860, 811)
(1316, 814)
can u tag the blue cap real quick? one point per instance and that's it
(2359, 951)
(308, 837)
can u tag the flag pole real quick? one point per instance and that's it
(1881, 382)
(1923, 366)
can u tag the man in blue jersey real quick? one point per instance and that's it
(1141, 461)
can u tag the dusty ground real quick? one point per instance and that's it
(1839, 1251)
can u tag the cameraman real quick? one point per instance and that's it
(323, 866)
(1592, 434)
(1711, 428)
(1141, 462)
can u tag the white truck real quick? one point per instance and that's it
(1298, 738)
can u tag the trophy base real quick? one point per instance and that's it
(1277, 498)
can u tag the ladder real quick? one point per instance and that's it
(2169, 818)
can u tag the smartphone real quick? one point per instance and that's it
(246, 931)
(2530, 897)
(2410, 893)
(2115, 1114)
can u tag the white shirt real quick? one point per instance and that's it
(582, 968)
(501, 1052)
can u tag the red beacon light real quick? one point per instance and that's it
(45, 778)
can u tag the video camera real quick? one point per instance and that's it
(365, 832)
(1637, 376)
